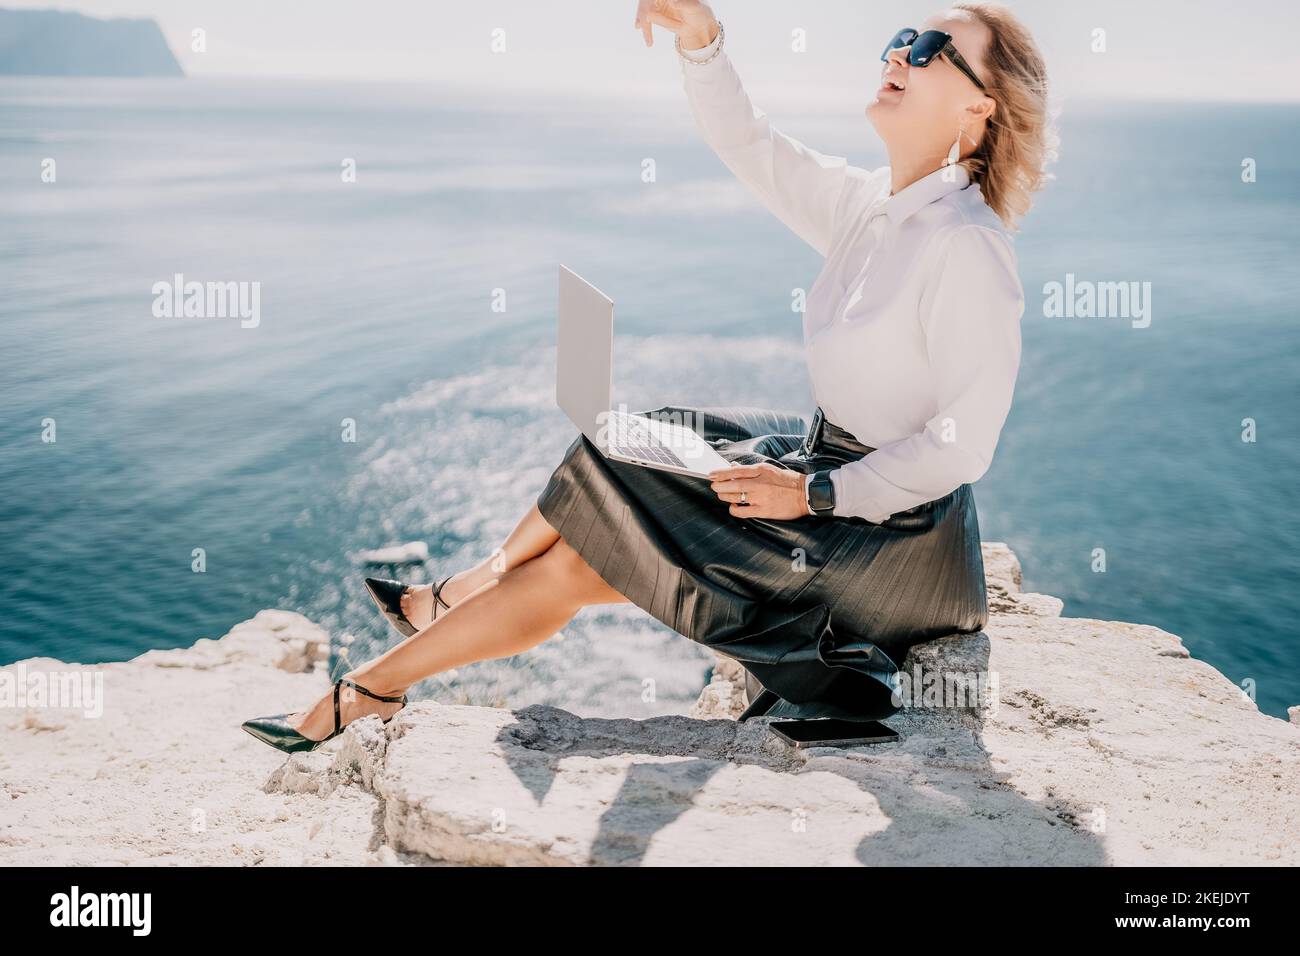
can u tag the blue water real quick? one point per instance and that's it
(377, 305)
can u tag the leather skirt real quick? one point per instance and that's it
(821, 611)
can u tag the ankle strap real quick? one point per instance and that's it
(437, 592)
(357, 687)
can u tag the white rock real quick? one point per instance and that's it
(1104, 744)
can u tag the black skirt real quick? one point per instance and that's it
(821, 611)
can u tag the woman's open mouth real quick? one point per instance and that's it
(891, 84)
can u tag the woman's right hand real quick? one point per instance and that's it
(691, 20)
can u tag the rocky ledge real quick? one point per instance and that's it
(1100, 743)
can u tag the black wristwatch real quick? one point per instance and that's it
(821, 495)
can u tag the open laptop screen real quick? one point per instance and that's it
(584, 357)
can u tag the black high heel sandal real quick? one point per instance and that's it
(277, 732)
(387, 595)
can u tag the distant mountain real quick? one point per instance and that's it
(55, 43)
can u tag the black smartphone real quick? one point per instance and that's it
(832, 732)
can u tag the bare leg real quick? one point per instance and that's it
(532, 536)
(504, 616)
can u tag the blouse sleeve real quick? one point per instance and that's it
(800, 186)
(971, 319)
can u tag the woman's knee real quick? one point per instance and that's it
(572, 573)
(562, 561)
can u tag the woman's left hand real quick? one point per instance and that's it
(769, 491)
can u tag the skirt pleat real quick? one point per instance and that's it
(820, 611)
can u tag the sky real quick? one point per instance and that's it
(1154, 49)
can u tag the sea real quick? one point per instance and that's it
(164, 478)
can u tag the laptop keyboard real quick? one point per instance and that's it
(630, 440)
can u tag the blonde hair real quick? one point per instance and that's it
(1020, 138)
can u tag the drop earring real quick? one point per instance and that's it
(954, 155)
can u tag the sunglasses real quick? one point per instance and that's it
(925, 47)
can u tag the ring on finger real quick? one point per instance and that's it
(744, 497)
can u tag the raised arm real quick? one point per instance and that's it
(971, 318)
(803, 188)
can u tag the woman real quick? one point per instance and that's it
(837, 544)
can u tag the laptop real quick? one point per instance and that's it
(584, 383)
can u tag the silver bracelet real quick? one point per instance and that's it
(721, 37)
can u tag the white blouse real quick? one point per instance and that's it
(912, 329)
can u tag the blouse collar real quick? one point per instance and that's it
(900, 206)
